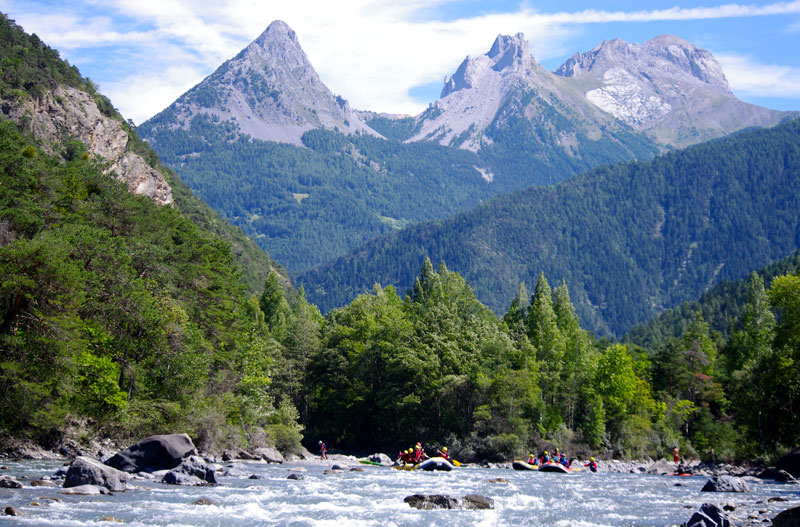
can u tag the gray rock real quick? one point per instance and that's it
(9, 482)
(381, 458)
(269, 454)
(61, 472)
(784, 477)
(497, 480)
(790, 463)
(243, 454)
(179, 478)
(305, 454)
(338, 467)
(296, 477)
(431, 501)
(43, 483)
(661, 467)
(204, 501)
(157, 452)
(193, 466)
(477, 502)
(787, 518)
(88, 471)
(85, 490)
(709, 515)
(725, 484)
(234, 473)
(11, 511)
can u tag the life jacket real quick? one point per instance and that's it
(592, 466)
(532, 460)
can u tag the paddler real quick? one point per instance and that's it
(419, 453)
(592, 464)
(443, 453)
(532, 459)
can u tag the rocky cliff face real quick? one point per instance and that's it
(68, 112)
(667, 87)
(269, 91)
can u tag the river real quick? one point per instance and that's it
(374, 497)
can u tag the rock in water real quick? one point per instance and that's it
(269, 454)
(788, 518)
(784, 477)
(85, 490)
(158, 452)
(381, 458)
(204, 501)
(709, 515)
(8, 482)
(791, 463)
(88, 471)
(725, 484)
(193, 467)
(431, 501)
(179, 478)
(476, 501)
(296, 477)
(661, 467)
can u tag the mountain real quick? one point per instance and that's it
(666, 87)
(533, 127)
(268, 91)
(630, 240)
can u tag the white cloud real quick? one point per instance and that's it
(372, 52)
(750, 78)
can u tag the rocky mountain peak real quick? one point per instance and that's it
(269, 90)
(508, 54)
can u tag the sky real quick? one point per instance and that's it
(392, 56)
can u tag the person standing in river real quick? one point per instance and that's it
(323, 450)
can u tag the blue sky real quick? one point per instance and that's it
(391, 56)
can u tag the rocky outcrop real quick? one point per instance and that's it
(443, 501)
(725, 484)
(9, 482)
(709, 515)
(157, 452)
(383, 459)
(72, 113)
(790, 463)
(87, 471)
(661, 467)
(85, 490)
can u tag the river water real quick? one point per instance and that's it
(374, 497)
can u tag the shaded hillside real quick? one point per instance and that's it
(721, 307)
(630, 240)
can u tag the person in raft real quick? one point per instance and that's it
(532, 459)
(563, 460)
(323, 450)
(592, 464)
(545, 458)
(675, 456)
(443, 453)
(419, 453)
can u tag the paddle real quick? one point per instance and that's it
(455, 463)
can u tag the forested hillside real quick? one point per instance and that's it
(309, 205)
(115, 311)
(631, 240)
(721, 306)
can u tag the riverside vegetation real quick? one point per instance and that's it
(131, 319)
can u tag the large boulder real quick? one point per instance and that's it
(9, 482)
(381, 458)
(88, 471)
(725, 484)
(791, 463)
(661, 467)
(86, 490)
(179, 478)
(154, 453)
(476, 501)
(788, 518)
(709, 515)
(269, 454)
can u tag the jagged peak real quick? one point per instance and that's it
(670, 40)
(276, 31)
(506, 52)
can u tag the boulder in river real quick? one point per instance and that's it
(790, 463)
(43, 483)
(431, 501)
(725, 484)
(443, 501)
(179, 478)
(296, 477)
(204, 501)
(478, 502)
(157, 452)
(86, 490)
(9, 482)
(195, 467)
(661, 467)
(11, 511)
(784, 477)
(269, 454)
(709, 515)
(381, 458)
(88, 471)
(788, 518)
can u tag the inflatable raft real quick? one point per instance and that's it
(435, 463)
(554, 467)
(522, 465)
